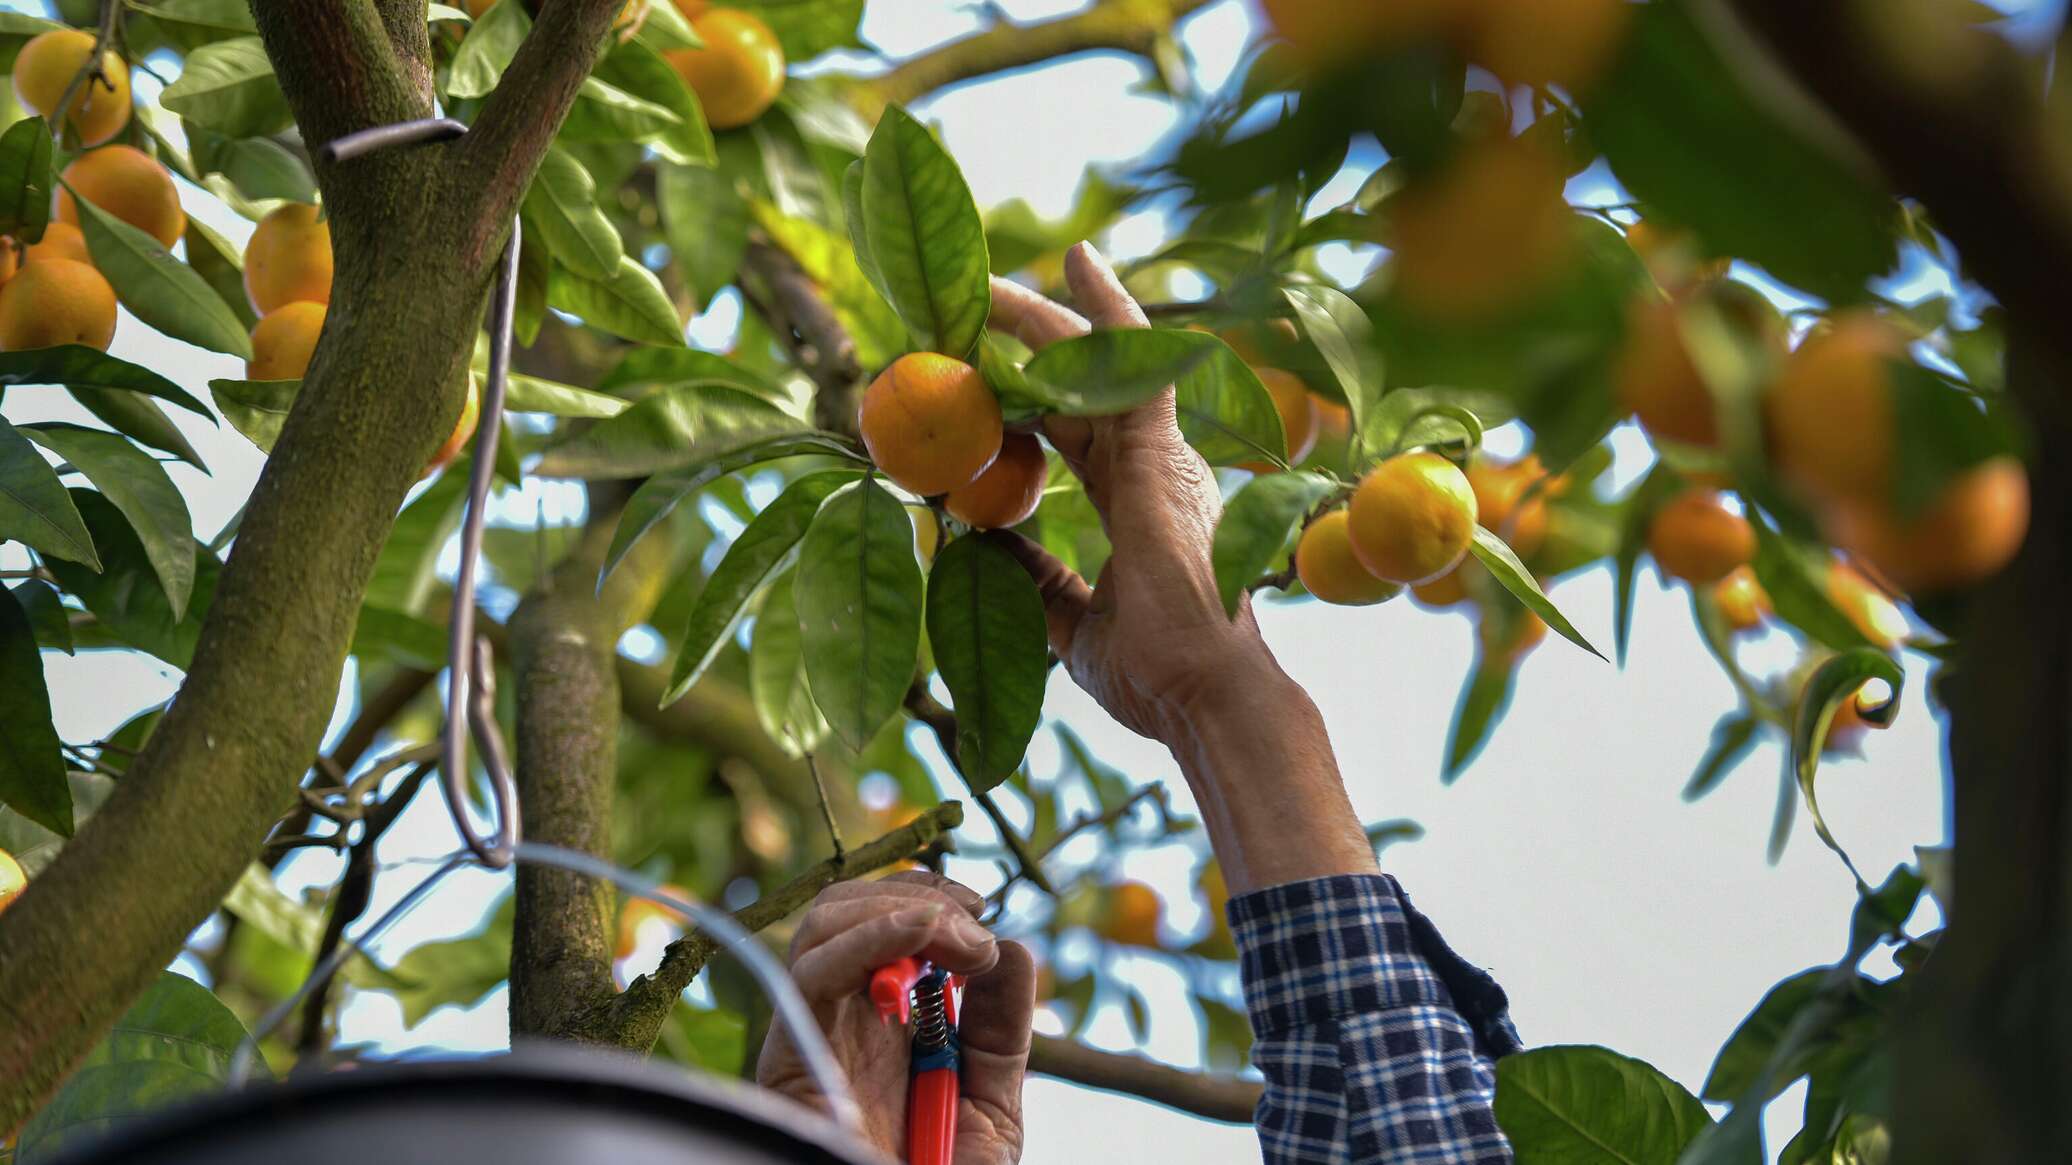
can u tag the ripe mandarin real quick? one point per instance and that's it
(56, 301)
(1412, 518)
(930, 422)
(1325, 563)
(1008, 491)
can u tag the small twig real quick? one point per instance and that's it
(1219, 1098)
(827, 813)
(89, 70)
(943, 722)
(1155, 791)
(281, 845)
(1278, 580)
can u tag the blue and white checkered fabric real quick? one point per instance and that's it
(1378, 1043)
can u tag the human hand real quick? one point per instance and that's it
(1150, 641)
(851, 930)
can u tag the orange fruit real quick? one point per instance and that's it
(1325, 563)
(283, 341)
(1971, 529)
(1008, 491)
(1696, 539)
(1131, 915)
(1830, 414)
(127, 183)
(1867, 606)
(61, 240)
(56, 301)
(1673, 256)
(1546, 42)
(1334, 420)
(1257, 343)
(44, 69)
(1848, 727)
(1298, 410)
(10, 258)
(930, 422)
(1481, 235)
(1741, 599)
(693, 9)
(1657, 381)
(464, 428)
(1510, 635)
(1333, 32)
(1499, 492)
(1412, 518)
(12, 880)
(1448, 590)
(637, 912)
(289, 258)
(740, 70)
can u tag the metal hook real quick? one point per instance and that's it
(470, 706)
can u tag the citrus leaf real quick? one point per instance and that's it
(32, 767)
(669, 430)
(1482, 700)
(629, 302)
(125, 597)
(1572, 1103)
(859, 594)
(1255, 528)
(642, 72)
(986, 628)
(830, 260)
(486, 51)
(1794, 575)
(1831, 683)
(35, 510)
(79, 367)
(1344, 337)
(215, 16)
(923, 232)
(680, 368)
(454, 972)
(407, 569)
(142, 420)
(1739, 1065)
(256, 408)
(606, 113)
(662, 492)
(47, 614)
(16, 30)
(852, 214)
(260, 168)
(807, 28)
(706, 222)
(562, 203)
(164, 293)
(1636, 514)
(762, 549)
(1227, 414)
(36, 847)
(1732, 738)
(533, 394)
(1114, 370)
(96, 1097)
(777, 673)
(229, 87)
(1503, 565)
(27, 179)
(140, 488)
(221, 266)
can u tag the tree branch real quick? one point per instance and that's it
(636, 1016)
(1131, 26)
(1230, 1099)
(804, 317)
(943, 723)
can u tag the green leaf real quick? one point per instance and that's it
(32, 768)
(1941, 431)
(606, 113)
(562, 202)
(986, 629)
(47, 615)
(406, 571)
(1688, 139)
(640, 71)
(36, 847)
(629, 302)
(830, 260)
(667, 28)
(125, 597)
(159, 290)
(668, 430)
(760, 551)
(1227, 414)
(256, 408)
(662, 492)
(807, 28)
(399, 638)
(222, 267)
(1636, 515)
(1503, 565)
(1831, 683)
(267, 909)
(140, 488)
(533, 394)
(1732, 739)
(79, 367)
(859, 595)
(140, 418)
(777, 673)
(260, 168)
(98, 1097)
(229, 87)
(1255, 529)
(1344, 338)
(454, 972)
(1580, 1105)
(1482, 700)
(1742, 1059)
(35, 510)
(27, 179)
(214, 16)
(1114, 370)
(923, 231)
(706, 222)
(1795, 576)
(648, 368)
(486, 51)
(852, 216)
(16, 30)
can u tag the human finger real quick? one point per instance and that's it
(1032, 317)
(842, 966)
(993, 1026)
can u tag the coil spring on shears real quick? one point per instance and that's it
(931, 1022)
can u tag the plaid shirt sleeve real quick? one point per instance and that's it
(1377, 1042)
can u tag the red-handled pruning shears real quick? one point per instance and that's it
(925, 997)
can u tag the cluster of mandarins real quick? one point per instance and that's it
(737, 71)
(933, 425)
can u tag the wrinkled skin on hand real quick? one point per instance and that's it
(850, 931)
(1150, 639)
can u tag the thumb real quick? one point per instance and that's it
(993, 1028)
(1066, 597)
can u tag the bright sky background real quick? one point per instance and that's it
(1564, 860)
